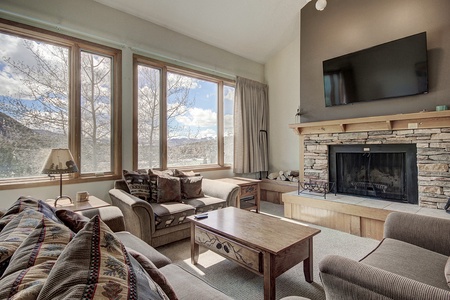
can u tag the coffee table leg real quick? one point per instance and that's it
(308, 264)
(269, 279)
(194, 246)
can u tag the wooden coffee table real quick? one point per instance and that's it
(263, 244)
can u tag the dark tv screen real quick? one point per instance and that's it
(394, 69)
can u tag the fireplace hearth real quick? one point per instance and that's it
(387, 171)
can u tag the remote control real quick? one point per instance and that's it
(201, 216)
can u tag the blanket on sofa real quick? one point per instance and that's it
(43, 256)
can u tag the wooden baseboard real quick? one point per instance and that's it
(272, 190)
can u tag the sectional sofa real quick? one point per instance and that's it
(48, 254)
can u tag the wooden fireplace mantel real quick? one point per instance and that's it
(421, 120)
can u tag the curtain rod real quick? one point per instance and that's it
(65, 30)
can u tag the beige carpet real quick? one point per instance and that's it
(239, 283)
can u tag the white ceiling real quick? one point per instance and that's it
(254, 29)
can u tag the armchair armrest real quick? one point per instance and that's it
(219, 189)
(344, 278)
(427, 232)
(138, 214)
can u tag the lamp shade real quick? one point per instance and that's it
(59, 161)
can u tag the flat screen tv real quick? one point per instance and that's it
(394, 69)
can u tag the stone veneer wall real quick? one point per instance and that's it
(433, 157)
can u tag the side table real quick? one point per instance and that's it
(249, 192)
(92, 202)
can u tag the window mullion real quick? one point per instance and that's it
(220, 125)
(75, 107)
(163, 119)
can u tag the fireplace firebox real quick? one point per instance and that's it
(382, 171)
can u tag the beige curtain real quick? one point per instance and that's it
(251, 104)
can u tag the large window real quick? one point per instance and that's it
(183, 118)
(56, 92)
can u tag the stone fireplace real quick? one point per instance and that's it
(425, 178)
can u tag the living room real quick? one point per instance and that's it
(294, 74)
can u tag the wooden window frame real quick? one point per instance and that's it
(75, 47)
(139, 60)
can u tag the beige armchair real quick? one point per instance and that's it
(408, 263)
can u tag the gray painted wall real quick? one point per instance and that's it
(346, 26)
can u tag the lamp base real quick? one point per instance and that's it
(63, 197)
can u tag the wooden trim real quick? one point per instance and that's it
(165, 68)
(220, 125)
(134, 146)
(421, 120)
(75, 47)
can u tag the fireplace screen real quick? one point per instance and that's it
(372, 174)
(386, 171)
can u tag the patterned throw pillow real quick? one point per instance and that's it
(191, 187)
(95, 265)
(32, 261)
(15, 232)
(169, 189)
(138, 184)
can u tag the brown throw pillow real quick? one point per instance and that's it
(153, 181)
(154, 273)
(191, 187)
(71, 219)
(169, 189)
(138, 184)
(180, 173)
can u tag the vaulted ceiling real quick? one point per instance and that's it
(254, 29)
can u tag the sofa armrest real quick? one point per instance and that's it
(138, 214)
(222, 190)
(426, 232)
(111, 215)
(344, 278)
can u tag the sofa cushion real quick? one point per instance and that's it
(204, 204)
(447, 271)
(32, 261)
(171, 213)
(108, 272)
(138, 183)
(191, 187)
(409, 261)
(169, 189)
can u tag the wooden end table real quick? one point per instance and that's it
(92, 202)
(249, 192)
(260, 243)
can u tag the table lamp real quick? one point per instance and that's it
(60, 161)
